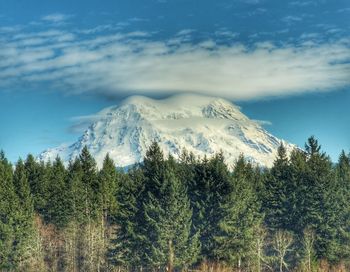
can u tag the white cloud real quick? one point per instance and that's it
(123, 64)
(10, 29)
(251, 1)
(226, 33)
(185, 32)
(264, 122)
(343, 10)
(291, 19)
(303, 3)
(56, 17)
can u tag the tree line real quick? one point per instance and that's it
(189, 214)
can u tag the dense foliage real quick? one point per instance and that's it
(171, 215)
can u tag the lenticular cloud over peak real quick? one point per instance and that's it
(131, 63)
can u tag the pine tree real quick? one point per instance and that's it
(207, 191)
(107, 193)
(9, 204)
(24, 221)
(126, 250)
(91, 240)
(20, 180)
(58, 208)
(240, 219)
(76, 190)
(38, 181)
(168, 224)
(342, 172)
(153, 169)
(90, 182)
(321, 208)
(75, 229)
(298, 181)
(157, 217)
(108, 179)
(277, 198)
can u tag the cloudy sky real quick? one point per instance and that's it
(286, 63)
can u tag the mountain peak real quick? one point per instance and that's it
(201, 124)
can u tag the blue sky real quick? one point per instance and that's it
(284, 62)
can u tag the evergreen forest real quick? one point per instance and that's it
(184, 214)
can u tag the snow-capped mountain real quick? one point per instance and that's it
(200, 124)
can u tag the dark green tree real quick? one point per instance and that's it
(90, 183)
(107, 192)
(240, 219)
(157, 216)
(277, 197)
(298, 181)
(9, 205)
(168, 222)
(58, 209)
(126, 250)
(342, 172)
(38, 178)
(76, 189)
(21, 183)
(320, 208)
(24, 220)
(208, 190)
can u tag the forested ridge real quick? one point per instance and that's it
(190, 214)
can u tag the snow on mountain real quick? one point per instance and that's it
(200, 124)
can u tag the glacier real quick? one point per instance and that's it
(203, 125)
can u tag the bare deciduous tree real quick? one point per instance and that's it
(308, 243)
(282, 242)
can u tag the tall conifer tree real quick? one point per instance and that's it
(90, 182)
(240, 219)
(163, 217)
(58, 207)
(107, 180)
(9, 205)
(24, 224)
(277, 196)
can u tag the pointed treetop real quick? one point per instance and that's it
(2, 155)
(86, 159)
(241, 167)
(30, 158)
(240, 163)
(58, 162)
(282, 152)
(154, 152)
(282, 156)
(344, 162)
(344, 158)
(108, 162)
(3, 158)
(19, 163)
(85, 152)
(312, 147)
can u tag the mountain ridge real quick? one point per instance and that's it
(203, 125)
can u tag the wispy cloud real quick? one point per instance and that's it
(263, 122)
(10, 29)
(80, 123)
(136, 63)
(251, 1)
(290, 19)
(303, 3)
(56, 17)
(185, 32)
(343, 10)
(223, 32)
